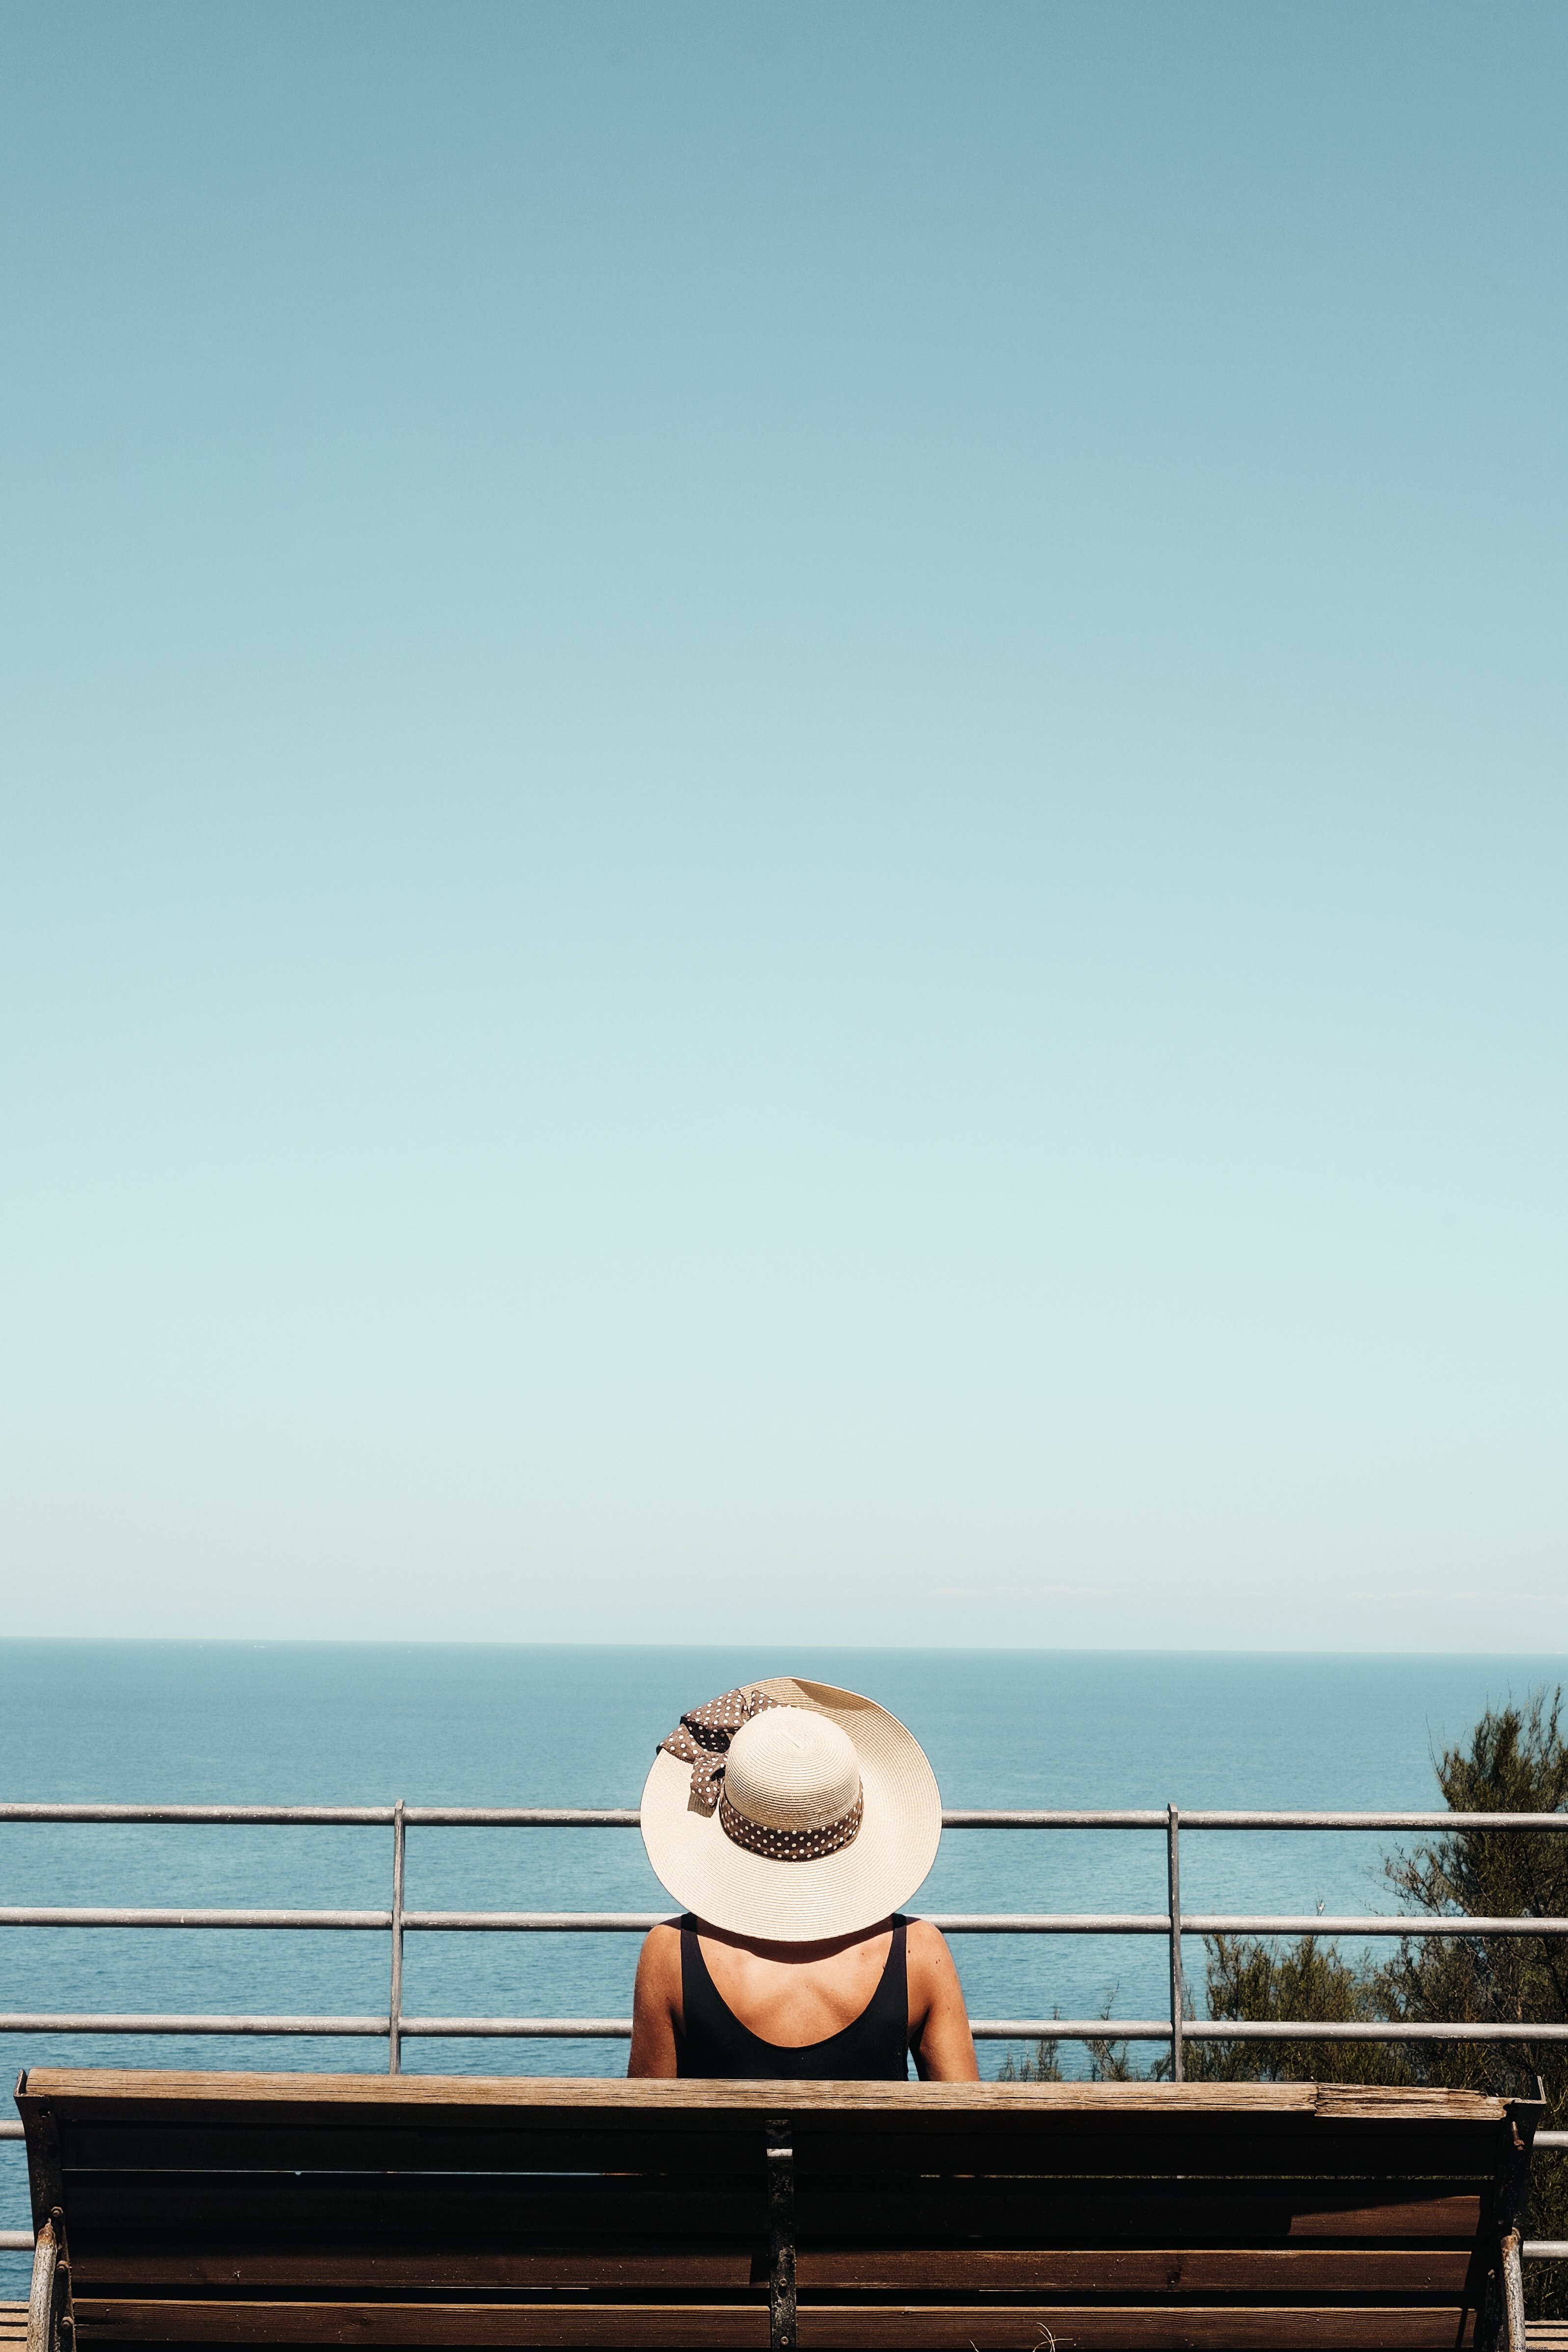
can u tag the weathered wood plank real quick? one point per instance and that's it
(473, 2094)
(1405, 2215)
(712, 2148)
(278, 2211)
(357, 2272)
(101, 2320)
(823, 2328)
(1244, 2151)
(157, 2210)
(1138, 2212)
(1263, 2274)
(1137, 2328)
(1268, 2273)
(574, 2145)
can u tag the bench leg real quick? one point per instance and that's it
(1513, 2294)
(43, 2302)
(781, 2329)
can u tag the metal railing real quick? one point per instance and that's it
(1177, 2028)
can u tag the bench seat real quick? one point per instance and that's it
(806, 2217)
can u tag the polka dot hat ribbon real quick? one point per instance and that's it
(702, 1739)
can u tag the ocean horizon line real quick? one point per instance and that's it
(769, 1647)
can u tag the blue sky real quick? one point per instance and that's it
(783, 823)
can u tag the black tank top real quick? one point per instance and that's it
(873, 2048)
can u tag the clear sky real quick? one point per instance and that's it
(784, 821)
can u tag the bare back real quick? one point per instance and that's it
(796, 1995)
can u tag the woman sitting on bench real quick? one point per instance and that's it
(792, 1818)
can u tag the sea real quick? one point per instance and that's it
(452, 1724)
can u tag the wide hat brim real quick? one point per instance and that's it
(804, 1902)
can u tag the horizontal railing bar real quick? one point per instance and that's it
(952, 1923)
(969, 1820)
(16, 2241)
(1230, 1821)
(18, 1916)
(251, 1816)
(1105, 2029)
(523, 1817)
(1199, 1922)
(580, 1923)
(620, 1817)
(1212, 1819)
(1210, 2029)
(1075, 2029)
(519, 2029)
(543, 1923)
(12, 2131)
(1115, 2028)
(96, 2022)
(496, 1817)
(1552, 2140)
(1070, 2029)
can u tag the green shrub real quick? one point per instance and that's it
(1516, 1762)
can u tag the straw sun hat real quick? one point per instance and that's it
(791, 1811)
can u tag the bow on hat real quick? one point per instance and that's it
(702, 1737)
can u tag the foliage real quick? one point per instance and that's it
(1044, 2065)
(1108, 2061)
(1516, 1761)
(1250, 1979)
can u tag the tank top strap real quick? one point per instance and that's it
(892, 1995)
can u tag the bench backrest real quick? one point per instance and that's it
(420, 2210)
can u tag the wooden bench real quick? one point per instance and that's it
(316, 2209)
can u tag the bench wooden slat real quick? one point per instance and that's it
(1398, 2150)
(1443, 2216)
(1182, 2146)
(1144, 2212)
(165, 2210)
(568, 2147)
(1175, 2270)
(175, 2209)
(103, 2320)
(744, 2327)
(471, 2097)
(1104, 2328)
(1152, 2269)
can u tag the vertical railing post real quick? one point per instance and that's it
(1178, 1988)
(394, 1998)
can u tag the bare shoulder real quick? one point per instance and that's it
(927, 1949)
(655, 2005)
(658, 1964)
(933, 1979)
(939, 2024)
